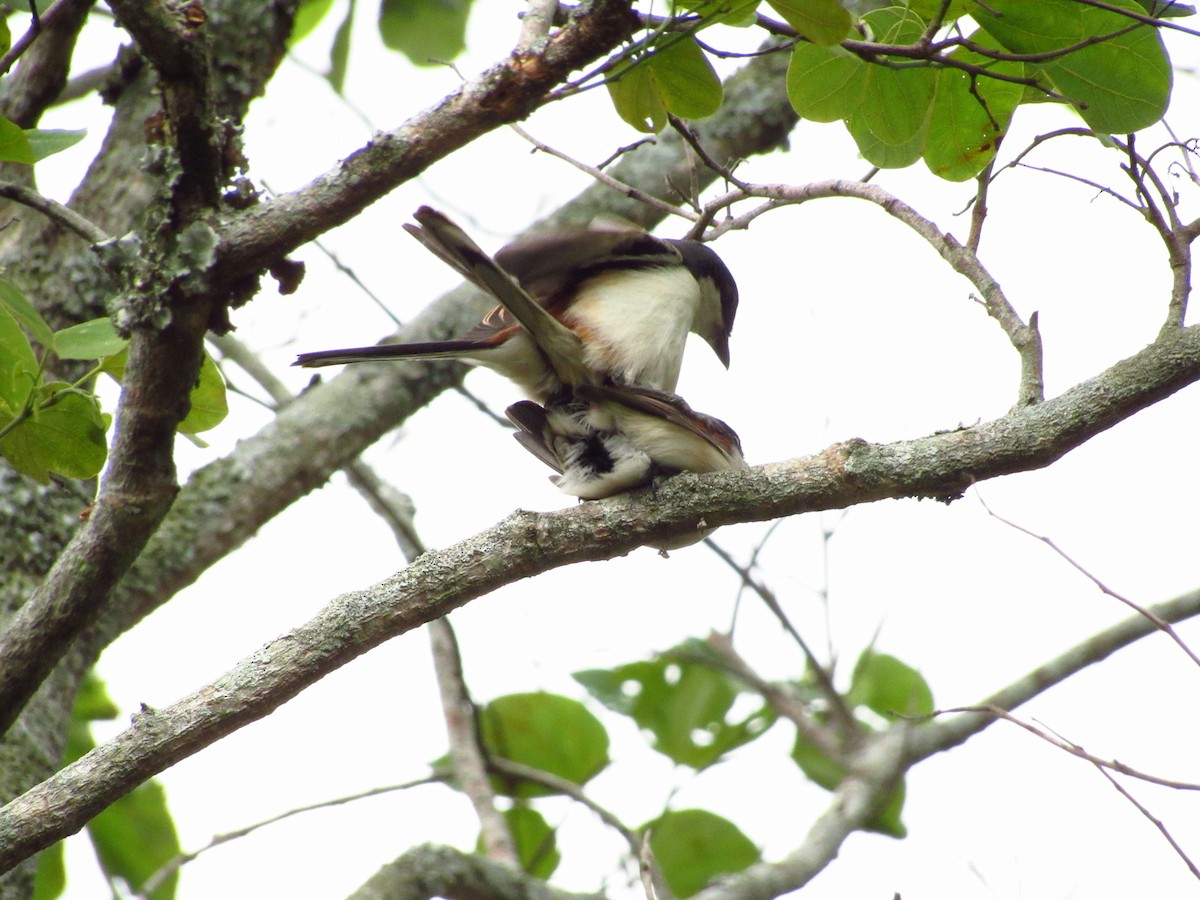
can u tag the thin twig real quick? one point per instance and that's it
(1076, 750)
(606, 179)
(38, 24)
(837, 705)
(1162, 829)
(54, 211)
(1158, 622)
(535, 25)
(466, 746)
(151, 884)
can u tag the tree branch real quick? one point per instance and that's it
(163, 364)
(507, 92)
(54, 211)
(430, 871)
(1025, 338)
(526, 544)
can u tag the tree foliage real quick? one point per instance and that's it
(170, 233)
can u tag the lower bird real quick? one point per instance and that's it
(610, 439)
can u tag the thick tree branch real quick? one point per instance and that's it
(430, 871)
(526, 544)
(507, 92)
(167, 320)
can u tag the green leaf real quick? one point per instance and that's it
(879, 153)
(12, 299)
(825, 772)
(825, 84)
(816, 765)
(887, 820)
(89, 340)
(1121, 84)
(970, 117)
(823, 22)
(339, 53)
(135, 836)
(65, 438)
(14, 145)
(426, 31)
(682, 701)
(636, 99)
(51, 877)
(896, 102)
(546, 731)
(927, 9)
(209, 403)
(686, 81)
(5, 36)
(692, 846)
(1167, 9)
(308, 16)
(535, 841)
(889, 687)
(19, 370)
(47, 142)
(676, 78)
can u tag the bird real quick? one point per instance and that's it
(605, 440)
(576, 306)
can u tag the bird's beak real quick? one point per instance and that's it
(720, 345)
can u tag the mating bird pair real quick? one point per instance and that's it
(592, 326)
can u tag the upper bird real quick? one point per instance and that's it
(577, 306)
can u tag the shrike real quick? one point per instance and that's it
(607, 440)
(577, 306)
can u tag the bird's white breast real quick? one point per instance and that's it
(635, 323)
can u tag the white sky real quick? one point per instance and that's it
(849, 326)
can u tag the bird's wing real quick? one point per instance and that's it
(530, 419)
(561, 346)
(674, 410)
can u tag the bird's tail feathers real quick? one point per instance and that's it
(420, 350)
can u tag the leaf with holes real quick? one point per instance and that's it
(683, 701)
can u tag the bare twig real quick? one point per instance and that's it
(466, 750)
(151, 884)
(55, 211)
(1025, 338)
(535, 25)
(847, 727)
(1076, 750)
(606, 179)
(1154, 820)
(40, 22)
(1158, 622)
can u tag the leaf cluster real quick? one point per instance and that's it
(58, 428)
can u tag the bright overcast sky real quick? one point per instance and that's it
(849, 326)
